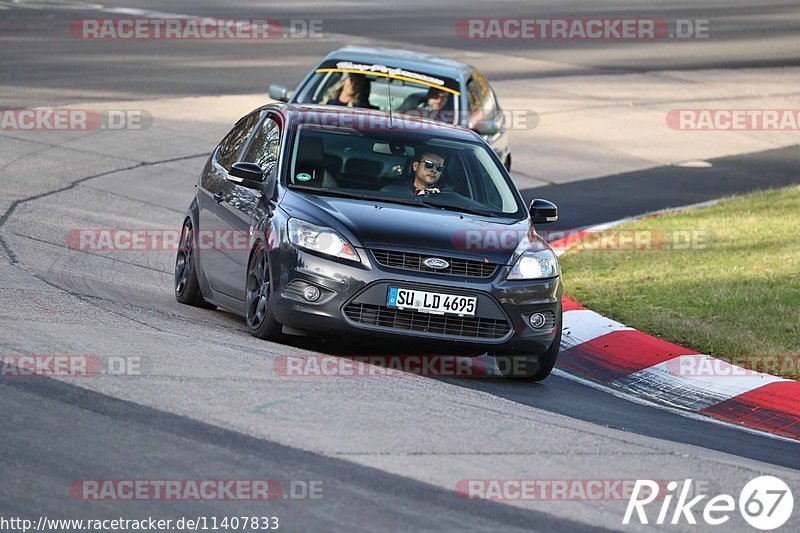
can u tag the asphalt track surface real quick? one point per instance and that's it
(389, 451)
(744, 35)
(589, 202)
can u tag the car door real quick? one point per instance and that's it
(242, 205)
(218, 221)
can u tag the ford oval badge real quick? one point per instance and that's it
(436, 263)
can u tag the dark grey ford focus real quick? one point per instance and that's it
(322, 220)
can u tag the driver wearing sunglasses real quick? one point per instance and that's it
(427, 171)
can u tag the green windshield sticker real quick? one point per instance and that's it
(303, 177)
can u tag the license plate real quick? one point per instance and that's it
(431, 302)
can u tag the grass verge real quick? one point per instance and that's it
(723, 280)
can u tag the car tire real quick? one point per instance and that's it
(510, 367)
(187, 288)
(258, 315)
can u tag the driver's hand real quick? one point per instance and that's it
(431, 190)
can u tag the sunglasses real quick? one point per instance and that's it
(430, 164)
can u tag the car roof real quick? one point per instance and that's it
(364, 119)
(405, 59)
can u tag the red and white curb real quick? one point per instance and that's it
(643, 366)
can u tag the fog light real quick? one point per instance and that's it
(536, 320)
(311, 293)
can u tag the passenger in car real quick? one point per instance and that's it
(436, 100)
(433, 106)
(352, 91)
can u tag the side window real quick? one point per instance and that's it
(265, 146)
(231, 145)
(481, 97)
(490, 104)
(478, 99)
(473, 97)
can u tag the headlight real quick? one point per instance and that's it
(535, 265)
(321, 239)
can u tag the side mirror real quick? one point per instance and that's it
(279, 92)
(486, 127)
(247, 175)
(542, 211)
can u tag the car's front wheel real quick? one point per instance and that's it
(187, 288)
(258, 295)
(532, 368)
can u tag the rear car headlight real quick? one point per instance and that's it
(537, 264)
(321, 239)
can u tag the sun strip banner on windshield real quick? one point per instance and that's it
(389, 72)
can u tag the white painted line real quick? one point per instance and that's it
(682, 383)
(583, 325)
(82, 6)
(674, 410)
(147, 13)
(694, 164)
(64, 6)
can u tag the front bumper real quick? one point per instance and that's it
(352, 302)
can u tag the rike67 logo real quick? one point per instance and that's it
(765, 503)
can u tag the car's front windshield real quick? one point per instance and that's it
(401, 166)
(379, 87)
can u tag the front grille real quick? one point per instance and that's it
(413, 261)
(399, 319)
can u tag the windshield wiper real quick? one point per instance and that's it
(403, 202)
(460, 208)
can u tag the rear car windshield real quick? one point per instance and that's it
(404, 91)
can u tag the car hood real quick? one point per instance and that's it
(378, 224)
